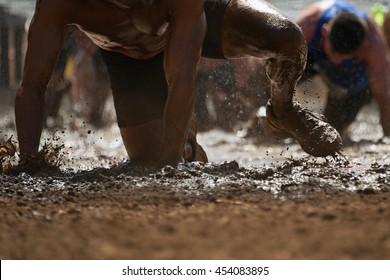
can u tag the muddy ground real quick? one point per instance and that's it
(255, 200)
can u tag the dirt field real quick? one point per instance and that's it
(256, 200)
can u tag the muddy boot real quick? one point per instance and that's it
(311, 130)
(192, 150)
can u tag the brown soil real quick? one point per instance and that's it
(256, 200)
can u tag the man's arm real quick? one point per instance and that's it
(308, 20)
(378, 68)
(44, 42)
(182, 55)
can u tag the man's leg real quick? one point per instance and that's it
(142, 143)
(139, 89)
(255, 28)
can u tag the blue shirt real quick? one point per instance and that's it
(350, 74)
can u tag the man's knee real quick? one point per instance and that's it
(268, 33)
(291, 39)
(290, 55)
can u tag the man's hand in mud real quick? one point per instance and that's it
(45, 162)
(34, 165)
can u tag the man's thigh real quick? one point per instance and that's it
(256, 28)
(139, 88)
(214, 11)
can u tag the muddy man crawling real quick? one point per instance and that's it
(151, 49)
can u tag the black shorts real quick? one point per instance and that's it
(212, 45)
(139, 87)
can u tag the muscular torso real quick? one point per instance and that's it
(135, 28)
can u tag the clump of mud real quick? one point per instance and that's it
(47, 161)
(7, 152)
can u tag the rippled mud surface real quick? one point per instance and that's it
(257, 199)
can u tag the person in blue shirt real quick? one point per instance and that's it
(347, 49)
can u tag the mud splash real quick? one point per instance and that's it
(293, 179)
(85, 160)
(47, 162)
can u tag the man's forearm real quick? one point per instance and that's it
(178, 112)
(29, 118)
